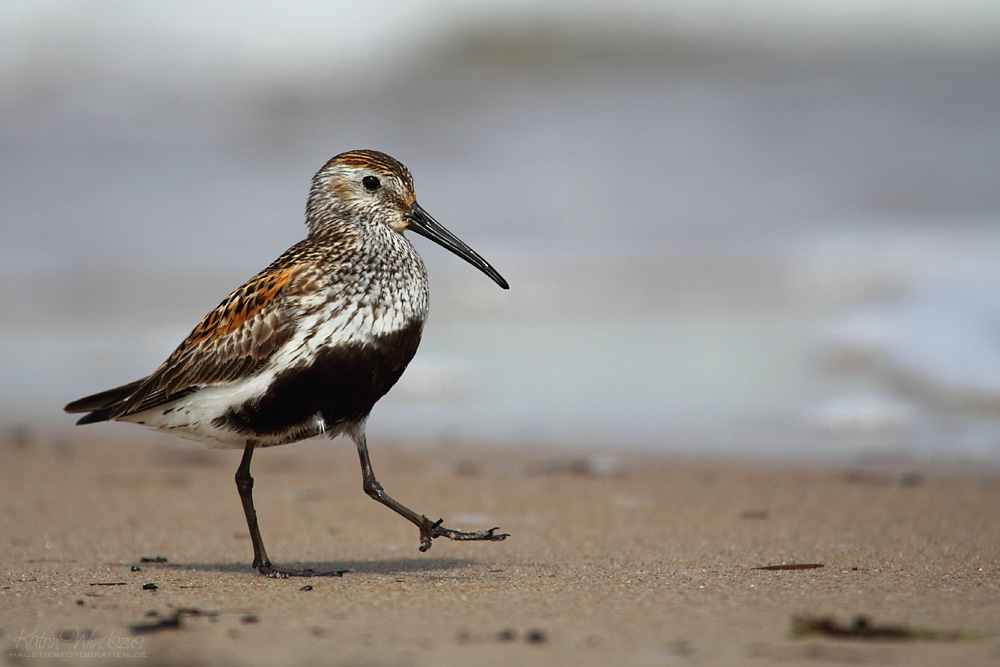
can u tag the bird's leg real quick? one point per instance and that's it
(244, 484)
(428, 529)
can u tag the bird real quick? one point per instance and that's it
(307, 346)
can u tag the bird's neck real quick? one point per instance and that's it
(375, 267)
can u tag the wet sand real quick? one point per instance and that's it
(632, 559)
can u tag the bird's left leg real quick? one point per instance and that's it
(244, 484)
(428, 529)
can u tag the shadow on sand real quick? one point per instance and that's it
(392, 566)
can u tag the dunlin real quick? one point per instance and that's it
(309, 344)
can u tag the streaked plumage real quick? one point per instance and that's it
(308, 345)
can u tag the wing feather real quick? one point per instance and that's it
(235, 339)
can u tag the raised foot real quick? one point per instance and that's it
(269, 570)
(428, 531)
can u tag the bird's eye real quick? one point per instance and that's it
(371, 183)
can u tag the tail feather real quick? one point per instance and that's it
(102, 406)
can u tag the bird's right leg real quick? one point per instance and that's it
(244, 484)
(428, 529)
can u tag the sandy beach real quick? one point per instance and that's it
(631, 559)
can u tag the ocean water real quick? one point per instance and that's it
(716, 241)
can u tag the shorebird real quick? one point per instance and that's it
(308, 345)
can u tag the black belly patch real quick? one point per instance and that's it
(342, 383)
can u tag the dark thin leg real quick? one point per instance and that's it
(428, 529)
(244, 483)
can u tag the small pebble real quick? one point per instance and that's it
(535, 636)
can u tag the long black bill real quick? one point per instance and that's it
(422, 223)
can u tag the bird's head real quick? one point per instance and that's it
(366, 187)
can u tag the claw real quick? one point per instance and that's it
(276, 572)
(428, 531)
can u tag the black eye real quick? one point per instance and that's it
(371, 183)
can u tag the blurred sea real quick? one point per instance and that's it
(731, 228)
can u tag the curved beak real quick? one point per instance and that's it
(422, 223)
